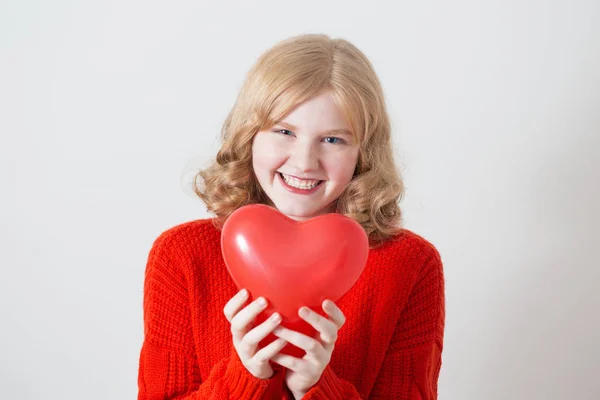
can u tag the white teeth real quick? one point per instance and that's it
(300, 183)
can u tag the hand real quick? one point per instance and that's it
(246, 337)
(303, 373)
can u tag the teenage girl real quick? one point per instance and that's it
(309, 134)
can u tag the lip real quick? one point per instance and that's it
(296, 190)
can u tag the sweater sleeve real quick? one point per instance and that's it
(413, 360)
(168, 365)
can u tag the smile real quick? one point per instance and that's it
(301, 184)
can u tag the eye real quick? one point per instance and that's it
(333, 140)
(284, 132)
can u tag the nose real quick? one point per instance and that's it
(304, 157)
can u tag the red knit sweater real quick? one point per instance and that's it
(389, 348)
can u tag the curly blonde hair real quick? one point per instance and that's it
(291, 72)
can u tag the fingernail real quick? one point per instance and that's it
(244, 293)
(304, 311)
(262, 301)
(275, 317)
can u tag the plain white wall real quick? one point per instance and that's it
(107, 106)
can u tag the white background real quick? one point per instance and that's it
(107, 107)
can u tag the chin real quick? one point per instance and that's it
(298, 213)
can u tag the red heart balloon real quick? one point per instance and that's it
(293, 264)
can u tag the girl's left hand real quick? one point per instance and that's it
(303, 373)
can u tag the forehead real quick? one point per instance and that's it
(318, 113)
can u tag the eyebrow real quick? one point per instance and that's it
(329, 132)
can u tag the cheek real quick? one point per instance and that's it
(265, 159)
(343, 166)
(267, 153)
(261, 165)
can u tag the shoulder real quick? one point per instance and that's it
(407, 255)
(408, 243)
(189, 230)
(183, 239)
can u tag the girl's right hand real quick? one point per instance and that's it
(246, 337)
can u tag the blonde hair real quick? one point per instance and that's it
(291, 72)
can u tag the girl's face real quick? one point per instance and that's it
(304, 162)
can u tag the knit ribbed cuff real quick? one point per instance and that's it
(328, 387)
(242, 384)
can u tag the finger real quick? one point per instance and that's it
(235, 304)
(262, 331)
(334, 313)
(239, 323)
(311, 346)
(292, 363)
(326, 328)
(267, 352)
